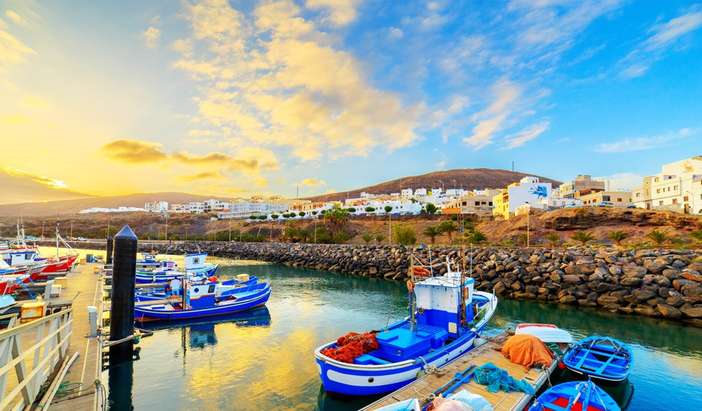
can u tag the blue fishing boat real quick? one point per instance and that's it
(195, 266)
(575, 396)
(602, 358)
(174, 288)
(150, 261)
(204, 300)
(445, 316)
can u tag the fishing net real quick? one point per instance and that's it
(351, 346)
(496, 379)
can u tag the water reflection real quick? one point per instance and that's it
(257, 363)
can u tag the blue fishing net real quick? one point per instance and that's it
(498, 379)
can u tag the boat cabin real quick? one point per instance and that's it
(438, 320)
(194, 261)
(19, 257)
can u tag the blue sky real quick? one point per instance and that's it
(235, 98)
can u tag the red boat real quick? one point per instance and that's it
(55, 265)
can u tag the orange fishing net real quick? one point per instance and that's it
(527, 350)
(352, 345)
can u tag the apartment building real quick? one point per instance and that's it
(156, 206)
(678, 187)
(581, 183)
(607, 198)
(478, 202)
(529, 190)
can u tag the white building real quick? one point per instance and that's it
(216, 205)
(678, 187)
(420, 192)
(120, 209)
(528, 191)
(196, 207)
(156, 206)
(406, 192)
(247, 208)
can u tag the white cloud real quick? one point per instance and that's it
(151, 37)
(645, 143)
(15, 17)
(526, 135)
(396, 33)
(341, 12)
(492, 118)
(12, 50)
(663, 35)
(312, 182)
(271, 77)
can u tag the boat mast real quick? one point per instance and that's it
(463, 287)
(57, 239)
(412, 297)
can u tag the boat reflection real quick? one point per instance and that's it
(201, 333)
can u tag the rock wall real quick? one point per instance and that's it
(654, 283)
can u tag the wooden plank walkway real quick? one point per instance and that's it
(87, 368)
(424, 386)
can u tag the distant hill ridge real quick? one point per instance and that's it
(64, 207)
(467, 178)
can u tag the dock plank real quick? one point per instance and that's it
(425, 385)
(86, 369)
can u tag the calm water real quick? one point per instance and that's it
(264, 360)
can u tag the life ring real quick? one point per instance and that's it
(421, 272)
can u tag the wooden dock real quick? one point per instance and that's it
(424, 386)
(83, 377)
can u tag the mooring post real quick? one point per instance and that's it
(108, 257)
(122, 308)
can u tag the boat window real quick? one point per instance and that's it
(211, 289)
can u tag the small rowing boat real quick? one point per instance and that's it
(601, 358)
(575, 396)
(548, 333)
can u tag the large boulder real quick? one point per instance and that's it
(692, 312)
(668, 311)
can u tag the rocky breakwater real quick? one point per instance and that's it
(654, 283)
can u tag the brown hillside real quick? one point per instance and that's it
(468, 178)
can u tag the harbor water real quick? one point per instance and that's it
(264, 359)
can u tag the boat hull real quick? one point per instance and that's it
(590, 358)
(582, 395)
(148, 313)
(353, 379)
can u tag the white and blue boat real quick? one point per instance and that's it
(150, 261)
(446, 316)
(204, 300)
(174, 287)
(601, 358)
(195, 265)
(575, 396)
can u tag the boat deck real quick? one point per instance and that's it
(86, 369)
(423, 387)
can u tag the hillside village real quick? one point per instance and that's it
(678, 187)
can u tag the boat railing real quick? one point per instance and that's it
(29, 354)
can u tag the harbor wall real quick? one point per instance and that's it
(654, 283)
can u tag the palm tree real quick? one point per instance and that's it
(582, 236)
(554, 239)
(367, 237)
(617, 236)
(448, 227)
(658, 237)
(432, 232)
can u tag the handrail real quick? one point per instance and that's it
(23, 327)
(52, 335)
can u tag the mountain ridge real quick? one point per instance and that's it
(467, 178)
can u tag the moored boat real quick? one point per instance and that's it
(602, 358)
(446, 316)
(195, 266)
(204, 300)
(575, 396)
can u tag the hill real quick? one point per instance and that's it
(467, 178)
(65, 207)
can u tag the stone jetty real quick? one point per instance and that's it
(654, 283)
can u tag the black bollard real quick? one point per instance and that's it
(122, 310)
(108, 257)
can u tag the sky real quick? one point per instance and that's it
(236, 98)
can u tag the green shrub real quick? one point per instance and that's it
(476, 237)
(432, 232)
(554, 239)
(379, 238)
(430, 208)
(582, 237)
(404, 234)
(617, 236)
(658, 237)
(367, 237)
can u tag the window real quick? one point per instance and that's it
(686, 199)
(660, 203)
(658, 190)
(675, 201)
(675, 187)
